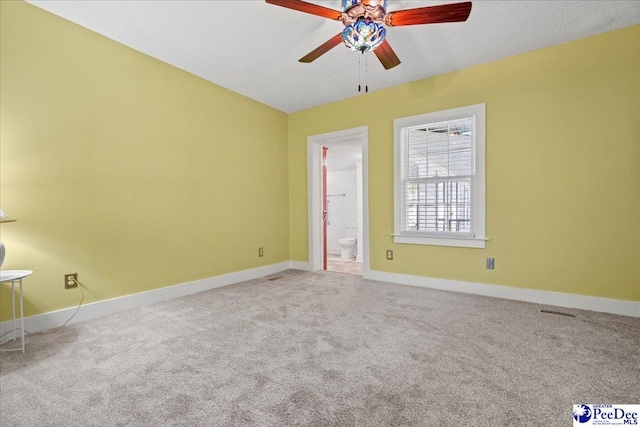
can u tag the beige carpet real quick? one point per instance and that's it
(323, 349)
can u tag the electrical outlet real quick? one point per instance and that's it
(260, 251)
(71, 280)
(389, 255)
(491, 263)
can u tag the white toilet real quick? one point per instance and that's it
(348, 244)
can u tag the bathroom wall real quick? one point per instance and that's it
(343, 211)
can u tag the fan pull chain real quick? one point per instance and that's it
(359, 75)
(366, 73)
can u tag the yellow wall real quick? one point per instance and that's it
(126, 170)
(138, 175)
(563, 174)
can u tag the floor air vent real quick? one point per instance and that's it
(559, 313)
(275, 278)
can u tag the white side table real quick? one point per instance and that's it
(13, 277)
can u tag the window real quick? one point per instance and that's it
(439, 178)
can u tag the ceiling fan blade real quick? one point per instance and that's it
(455, 12)
(313, 9)
(386, 55)
(322, 49)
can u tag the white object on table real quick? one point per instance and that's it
(13, 276)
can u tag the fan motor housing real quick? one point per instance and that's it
(373, 10)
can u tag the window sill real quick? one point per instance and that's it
(475, 242)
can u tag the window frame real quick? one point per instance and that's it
(478, 114)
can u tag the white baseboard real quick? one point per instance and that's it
(53, 319)
(359, 258)
(300, 265)
(583, 302)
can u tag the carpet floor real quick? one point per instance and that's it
(323, 349)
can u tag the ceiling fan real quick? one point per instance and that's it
(364, 22)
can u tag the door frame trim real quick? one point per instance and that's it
(314, 191)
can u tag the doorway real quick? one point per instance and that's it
(331, 207)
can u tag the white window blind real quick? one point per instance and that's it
(438, 191)
(437, 177)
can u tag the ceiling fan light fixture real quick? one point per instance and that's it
(363, 35)
(364, 20)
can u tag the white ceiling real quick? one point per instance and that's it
(253, 48)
